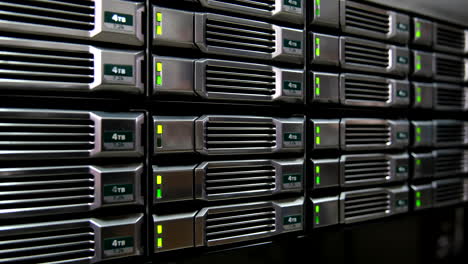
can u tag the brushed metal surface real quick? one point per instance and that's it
(447, 10)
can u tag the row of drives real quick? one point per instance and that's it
(32, 134)
(34, 57)
(44, 65)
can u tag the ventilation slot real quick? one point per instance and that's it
(239, 180)
(367, 134)
(70, 14)
(366, 90)
(366, 206)
(366, 19)
(238, 36)
(449, 192)
(453, 133)
(449, 164)
(450, 37)
(232, 134)
(46, 65)
(239, 224)
(453, 98)
(39, 134)
(366, 171)
(267, 5)
(366, 55)
(450, 67)
(44, 190)
(243, 81)
(47, 246)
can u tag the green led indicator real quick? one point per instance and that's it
(418, 162)
(317, 140)
(317, 209)
(418, 138)
(418, 203)
(418, 66)
(159, 242)
(418, 130)
(317, 169)
(317, 10)
(317, 85)
(317, 220)
(418, 30)
(158, 80)
(158, 193)
(418, 94)
(418, 194)
(317, 180)
(317, 49)
(317, 129)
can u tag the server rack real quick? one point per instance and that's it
(188, 131)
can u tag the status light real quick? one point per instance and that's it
(159, 20)
(317, 49)
(317, 209)
(418, 30)
(317, 85)
(159, 179)
(159, 243)
(159, 228)
(317, 10)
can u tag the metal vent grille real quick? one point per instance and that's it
(239, 224)
(237, 80)
(73, 14)
(239, 36)
(366, 19)
(450, 133)
(48, 246)
(450, 97)
(18, 133)
(46, 65)
(360, 89)
(366, 205)
(367, 134)
(367, 55)
(39, 190)
(449, 163)
(450, 37)
(267, 5)
(239, 180)
(448, 192)
(453, 68)
(366, 171)
(238, 134)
